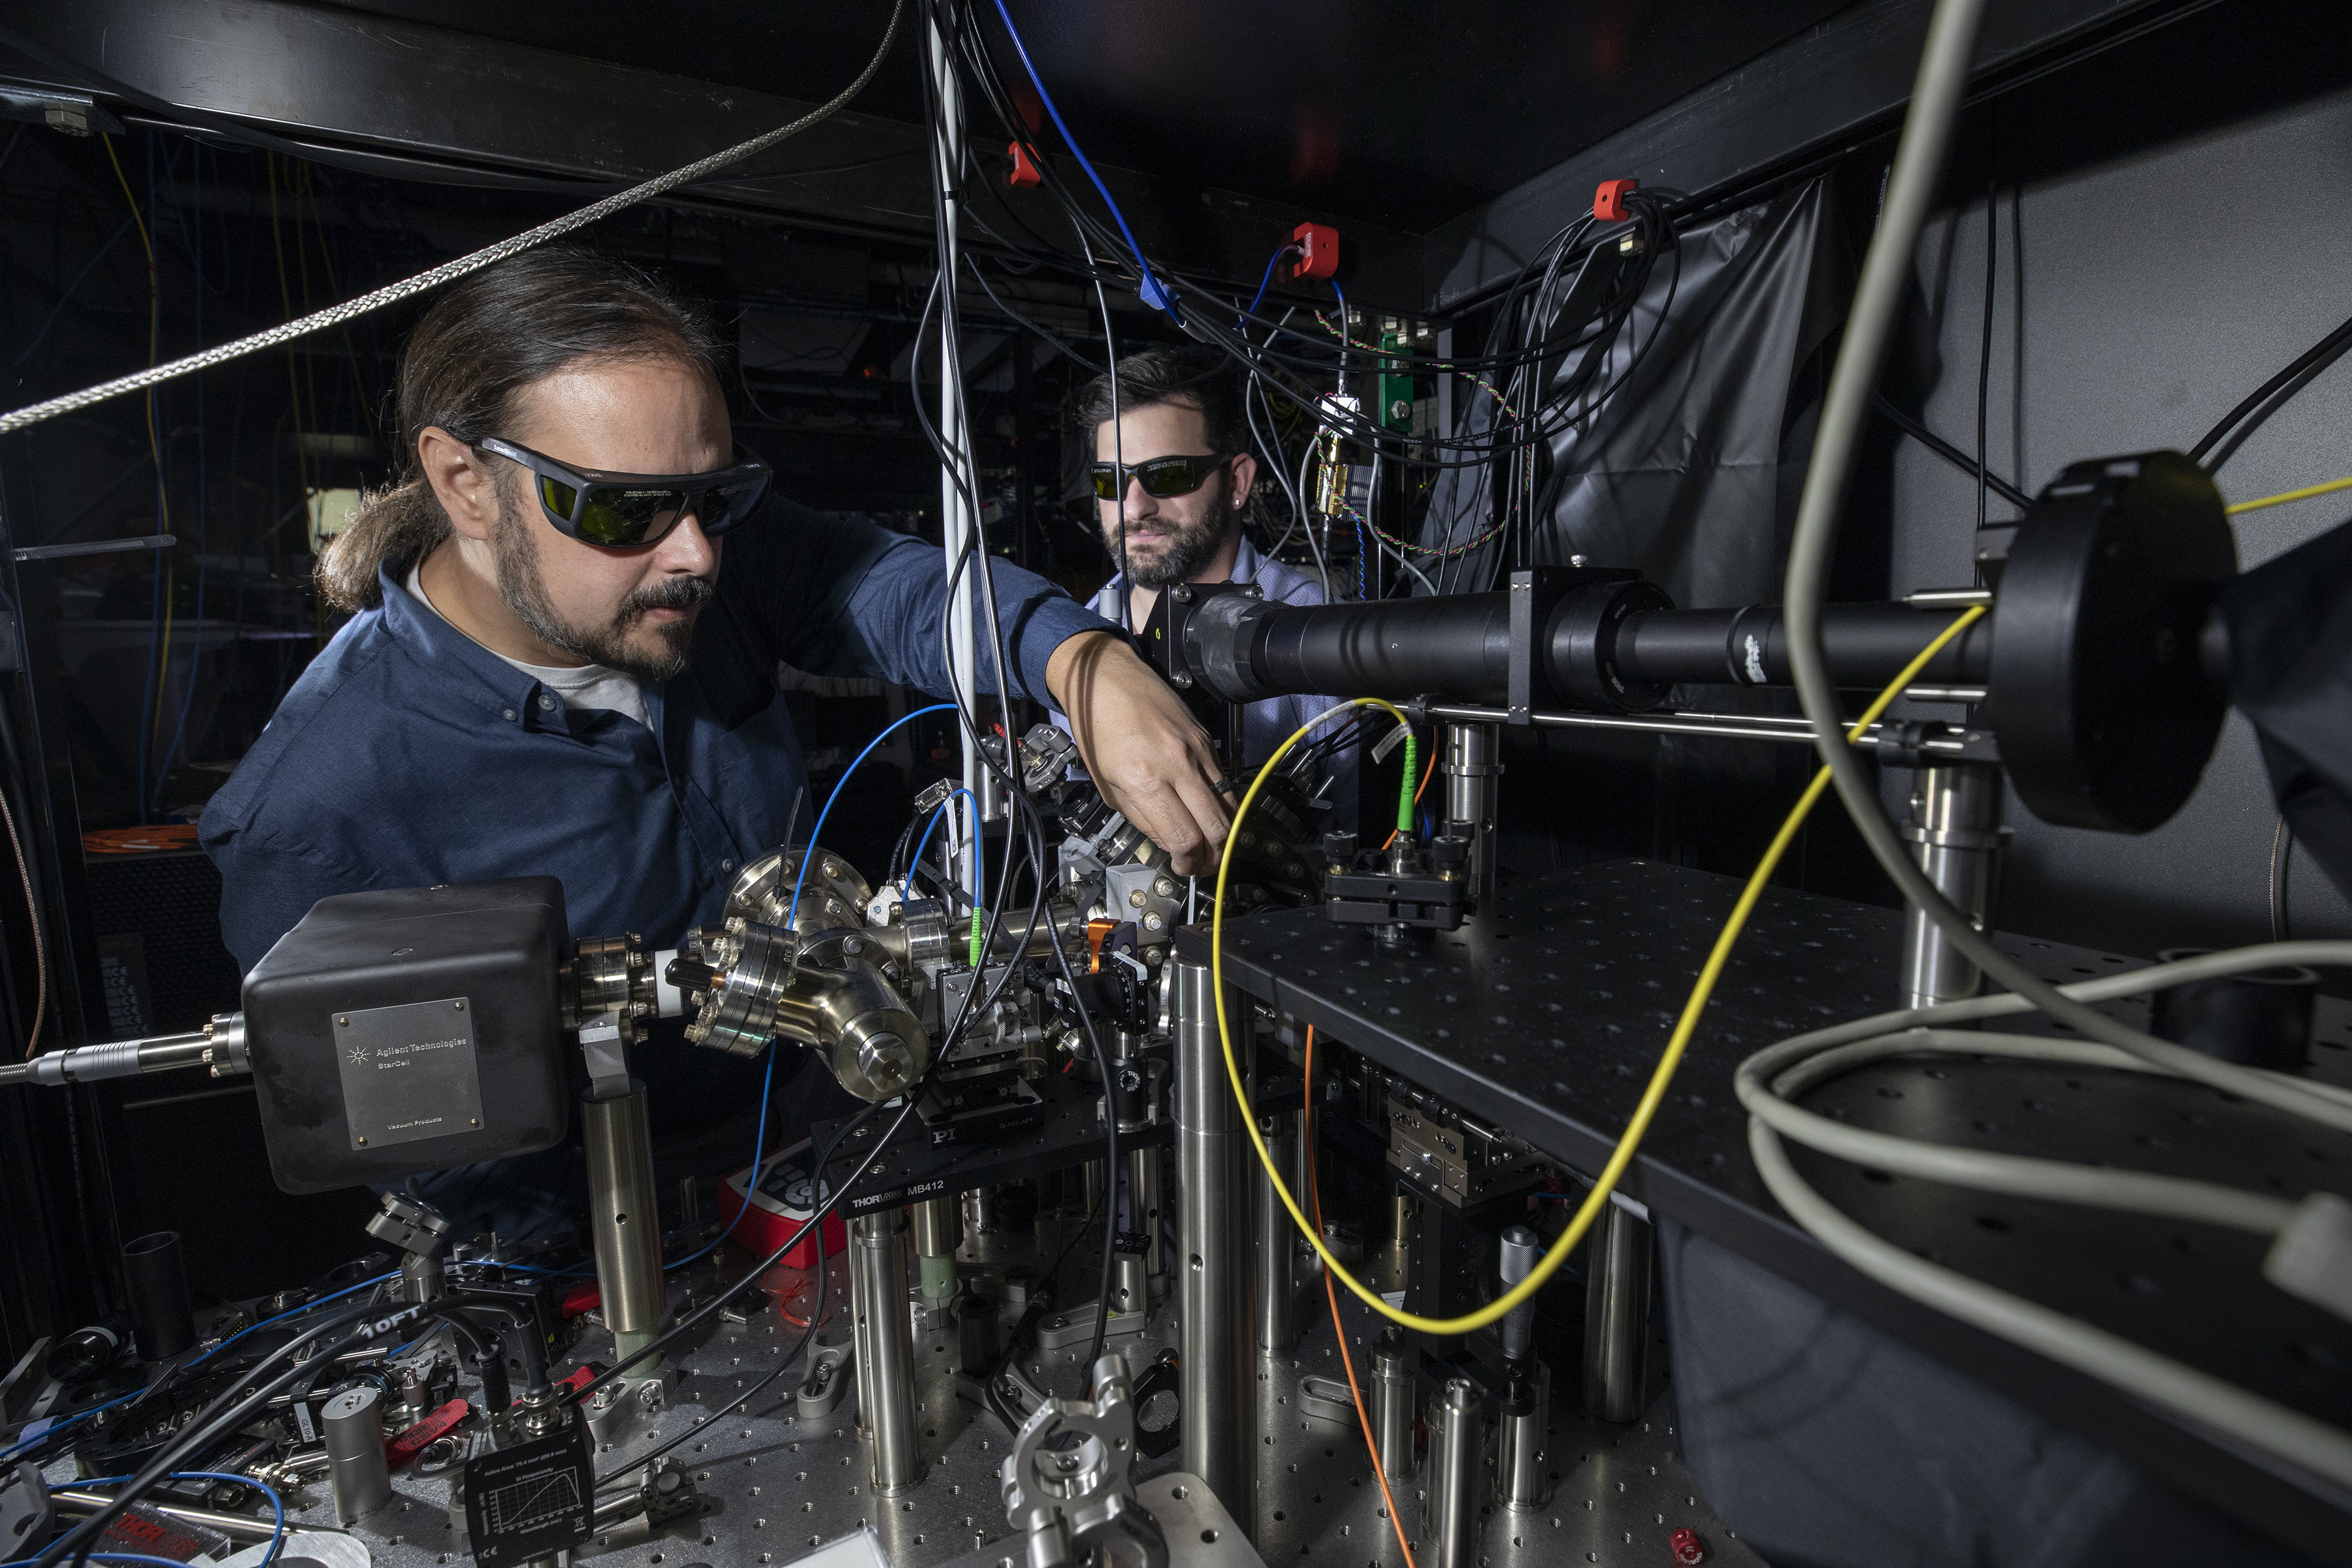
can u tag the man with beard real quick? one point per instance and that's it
(1183, 434)
(547, 672)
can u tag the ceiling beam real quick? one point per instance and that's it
(428, 100)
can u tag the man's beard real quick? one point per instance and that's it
(1184, 551)
(525, 592)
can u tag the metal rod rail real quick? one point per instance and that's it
(1729, 726)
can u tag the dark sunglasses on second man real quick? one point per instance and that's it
(1160, 477)
(621, 511)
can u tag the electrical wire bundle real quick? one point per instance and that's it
(1547, 369)
(250, 1395)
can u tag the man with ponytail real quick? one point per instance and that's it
(549, 672)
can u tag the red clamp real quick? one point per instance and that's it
(583, 1297)
(1024, 169)
(1689, 1551)
(1318, 251)
(1609, 206)
(414, 1441)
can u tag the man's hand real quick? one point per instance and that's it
(1150, 760)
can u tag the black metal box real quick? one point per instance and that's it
(411, 1030)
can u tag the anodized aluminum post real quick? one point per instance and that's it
(1454, 1475)
(624, 1220)
(1522, 1478)
(885, 1348)
(1276, 1277)
(1616, 1313)
(1145, 1206)
(1391, 1408)
(936, 1236)
(1472, 781)
(1956, 836)
(1214, 1244)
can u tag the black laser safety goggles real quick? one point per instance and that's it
(622, 511)
(1160, 477)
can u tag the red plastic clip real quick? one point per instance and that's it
(1318, 251)
(1609, 206)
(1689, 1551)
(1024, 171)
(414, 1441)
(583, 1297)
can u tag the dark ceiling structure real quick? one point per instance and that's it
(1445, 142)
(1397, 115)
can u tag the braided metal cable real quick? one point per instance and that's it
(449, 271)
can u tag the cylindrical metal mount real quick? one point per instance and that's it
(1277, 1276)
(936, 1221)
(1391, 1406)
(1956, 836)
(1518, 1256)
(1213, 1246)
(421, 1278)
(885, 1349)
(1616, 1313)
(1144, 1205)
(1522, 1478)
(622, 1218)
(1472, 775)
(161, 1323)
(352, 1424)
(1453, 1475)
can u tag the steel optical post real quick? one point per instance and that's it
(1956, 835)
(1214, 1241)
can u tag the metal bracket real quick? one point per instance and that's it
(1070, 1485)
(828, 1375)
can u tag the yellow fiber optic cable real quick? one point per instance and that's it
(2330, 488)
(1652, 1098)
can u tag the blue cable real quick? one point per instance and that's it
(750, 1183)
(56, 1426)
(277, 1504)
(816, 834)
(305, 1307)
(1269, 278)
(1153, 292)
(936, 818)
(758, 1144)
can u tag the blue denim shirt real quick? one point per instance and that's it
(407, 754)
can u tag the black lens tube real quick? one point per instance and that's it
(1605, 647)
(1867, 645)
(162, 1322)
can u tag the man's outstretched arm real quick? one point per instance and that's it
(1141, 746)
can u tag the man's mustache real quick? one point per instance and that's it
(669, 594)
